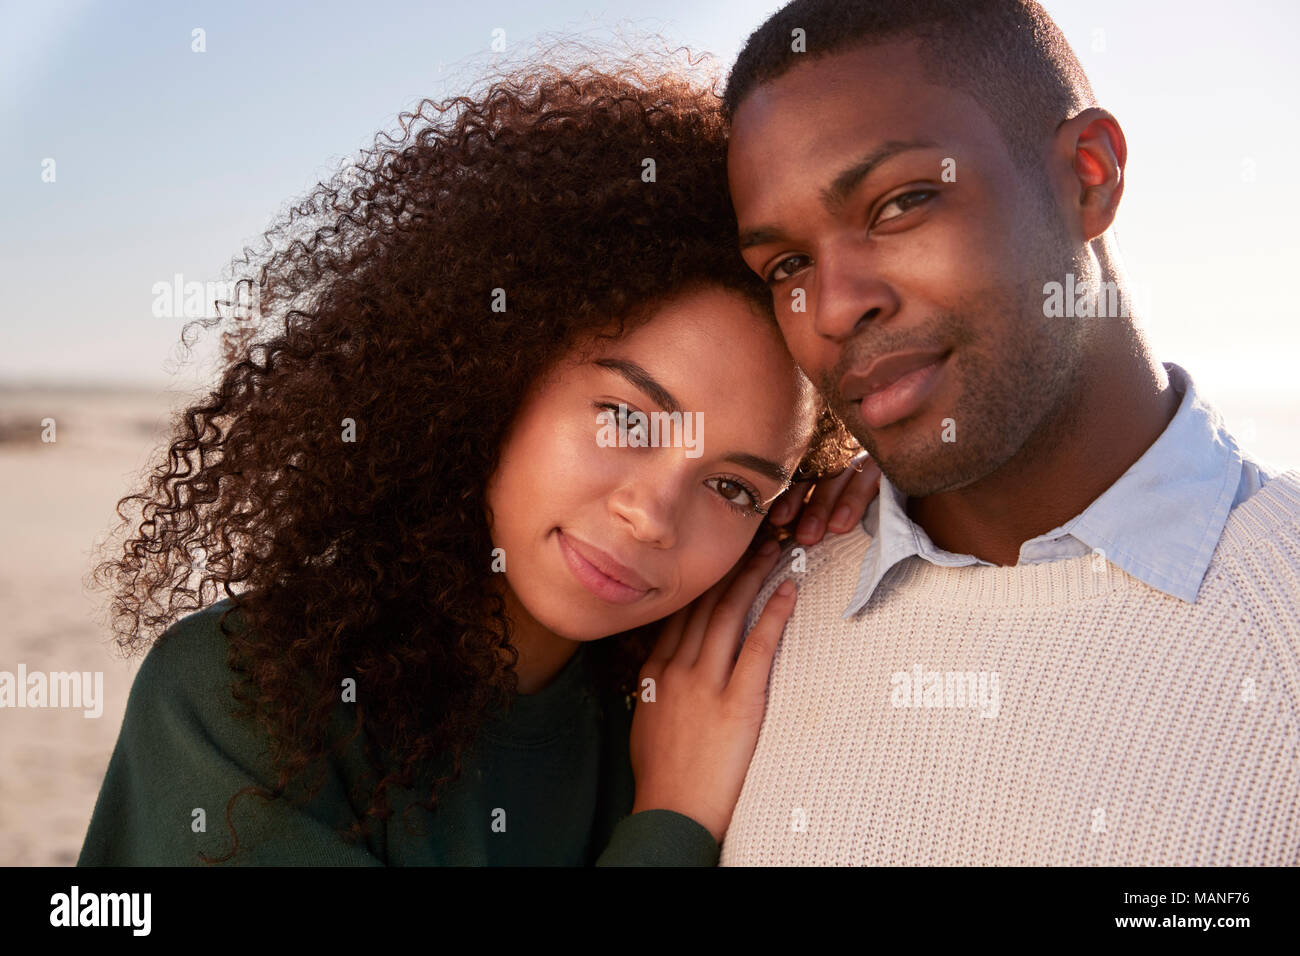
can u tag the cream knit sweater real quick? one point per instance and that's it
(1063, 713)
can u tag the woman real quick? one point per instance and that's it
(448, 503)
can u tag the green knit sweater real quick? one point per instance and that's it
(548, 783)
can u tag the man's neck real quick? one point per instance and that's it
(1126, 401)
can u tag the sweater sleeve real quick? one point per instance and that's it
(660, 838)
(181, 756)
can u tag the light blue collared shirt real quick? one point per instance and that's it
(1160, 521)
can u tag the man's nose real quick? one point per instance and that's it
(850, 292)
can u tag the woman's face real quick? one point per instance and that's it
(601, 535)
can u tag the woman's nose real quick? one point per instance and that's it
(651, 503)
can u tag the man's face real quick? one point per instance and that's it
(889, 219)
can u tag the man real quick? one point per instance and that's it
(1067, 630)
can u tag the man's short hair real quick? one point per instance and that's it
(1008, 54)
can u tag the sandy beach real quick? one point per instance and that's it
(59, 501)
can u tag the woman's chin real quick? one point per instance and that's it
(583, 621)
(584, 628)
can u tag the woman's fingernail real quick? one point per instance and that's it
(841, 516)
(768, 548)
(787, 587)
(810, 527)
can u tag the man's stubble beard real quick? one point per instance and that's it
(1023, 399)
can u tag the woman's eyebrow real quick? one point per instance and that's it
(763, 466)
(643, 380)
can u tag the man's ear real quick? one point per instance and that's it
(1089, 154)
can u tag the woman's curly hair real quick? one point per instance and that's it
(369, 558)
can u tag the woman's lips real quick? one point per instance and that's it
(583, 558)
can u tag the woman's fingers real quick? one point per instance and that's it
(817, 512)
(727, 624)
(700, 610)
(754, 663)
(786, 507)
(748, 574)
(863, 485)
(840, 501)
(670, 636)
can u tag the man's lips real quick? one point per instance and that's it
(895, 386)
(600, 572)
(883, 372)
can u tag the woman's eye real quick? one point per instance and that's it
(780, 274)
(618, 416)
(903, 202)
(740, 497)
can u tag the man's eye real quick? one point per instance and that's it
(780, 273)
(903, 202)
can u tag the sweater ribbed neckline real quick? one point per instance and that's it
(1071, 579)
(537, 718)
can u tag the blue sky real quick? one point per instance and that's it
(169, 161)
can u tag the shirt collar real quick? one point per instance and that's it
(1160, 521)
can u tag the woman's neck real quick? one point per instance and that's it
(542, 652)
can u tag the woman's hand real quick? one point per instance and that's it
(690, 747)
(837, 503)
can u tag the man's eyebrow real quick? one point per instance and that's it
(841, 186)
(643, 380)
(847, 181)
